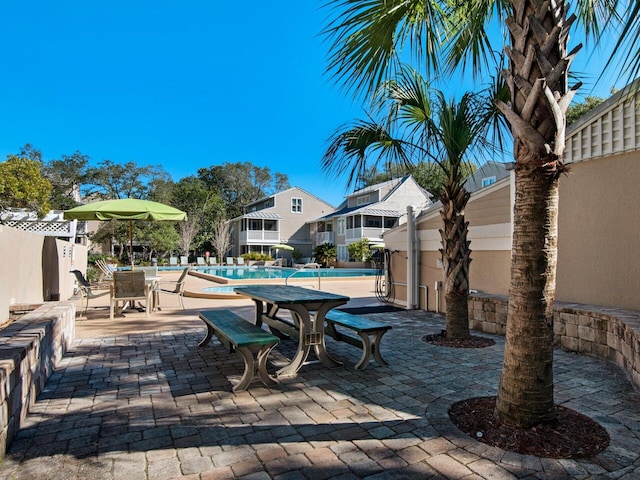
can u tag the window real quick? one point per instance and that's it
(363, 200)
(296, 205)
(486, 181)
(341, 226)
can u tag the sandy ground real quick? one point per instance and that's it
(171, 317)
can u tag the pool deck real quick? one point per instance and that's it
(136, 399)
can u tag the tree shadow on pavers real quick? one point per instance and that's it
(146, 392)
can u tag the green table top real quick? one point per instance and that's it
(288, 294)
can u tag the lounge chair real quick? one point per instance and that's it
(184, 261)
(239, 261)
(174, 287)
(129, 287)
(85, 289)
(213, 260)
(201, 261)
(173, 261)
(229, 261)
(106, 270)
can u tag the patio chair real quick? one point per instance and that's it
(85, 289)
(229, 261)
(175, 287)
(239, 261)
(129, 287)
(173, 261)
(213, 260)
(184, 261)
(106, 270)
(201, 261)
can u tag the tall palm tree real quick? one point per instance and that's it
(445, 132)
(367, 38)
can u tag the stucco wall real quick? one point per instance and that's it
(599, 233)
(35, 268)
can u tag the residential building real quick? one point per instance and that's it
(486, 174)
(368, 213)
(280, 218)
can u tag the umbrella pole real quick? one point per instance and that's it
(131, 243)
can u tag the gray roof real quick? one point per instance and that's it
(261, 215)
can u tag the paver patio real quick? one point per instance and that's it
(151, 405)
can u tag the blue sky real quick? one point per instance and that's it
(181, 84)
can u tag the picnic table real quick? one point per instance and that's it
(308, 309)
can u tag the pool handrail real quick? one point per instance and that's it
(309, 265)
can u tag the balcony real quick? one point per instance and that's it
(324, 237)
(372, 233)
(248, 237)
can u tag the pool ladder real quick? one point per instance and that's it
(306, 265)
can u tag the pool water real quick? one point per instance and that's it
(264, 273)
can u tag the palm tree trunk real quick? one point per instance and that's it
(455, 259)
(537, 78)
(525, 395)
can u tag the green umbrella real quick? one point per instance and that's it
(281, 246)
(126, 209)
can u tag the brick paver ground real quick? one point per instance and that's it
(154, 406)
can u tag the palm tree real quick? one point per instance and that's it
(367, 37)
(446, 132)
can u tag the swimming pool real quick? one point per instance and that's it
(265, 273)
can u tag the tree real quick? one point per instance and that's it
(22, 185)
(221, 238)
(242, 183)
(366, 40)
(67, 175)
(325, 254)
(576, 110)
(111, 180)
(445, 132)
(360, 250)
(191, 196)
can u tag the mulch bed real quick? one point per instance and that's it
(473, 341)
(572, 435)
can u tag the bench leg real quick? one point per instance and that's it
(375, 347)
(366, 351)
(250, 367)
(207, 337)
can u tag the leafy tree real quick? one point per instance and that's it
(128, 180)
(360, 250)
(191, 195)
(161, 238)
(239, 184)
(67, 175)
(22, 185)
(576, 110)
(326, 254)
(367, 40)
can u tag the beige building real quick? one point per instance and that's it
(280, 218)
(368, 213)
(598, 231)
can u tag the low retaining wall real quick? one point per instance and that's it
(30, 348)
(608, 333)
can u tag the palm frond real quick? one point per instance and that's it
(362, 145)
(367, 38)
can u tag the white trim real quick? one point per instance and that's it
(485, 237)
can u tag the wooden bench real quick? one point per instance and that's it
(240, 336)
(364, 327)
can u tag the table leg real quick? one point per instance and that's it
(320, 347)
(300, 315)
